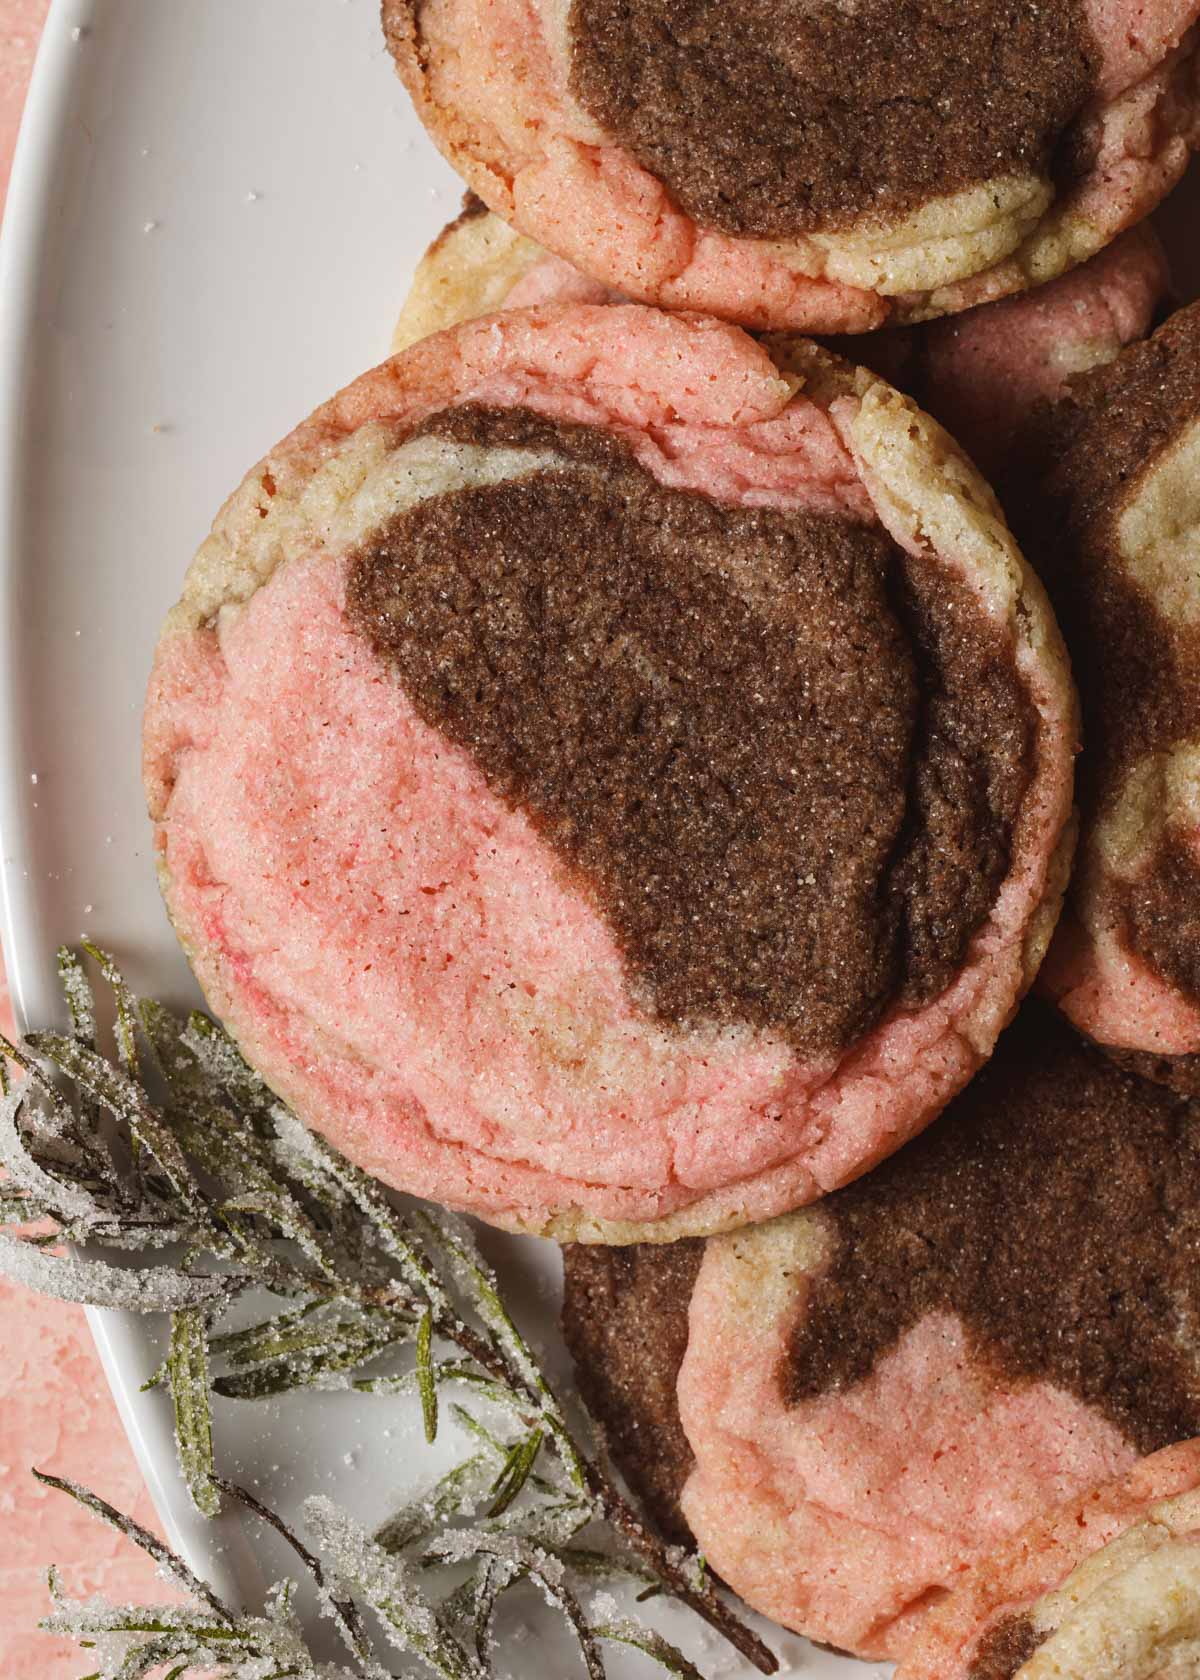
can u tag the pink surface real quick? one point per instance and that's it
(1040, 1558)
(20, 28)
(985, 370)
(844, 1517)
(494, 89)
(1113, 995)
(55, 1408)
(398, 952)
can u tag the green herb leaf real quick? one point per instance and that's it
(308, 1355)
(176, 1141)
(426, 1382)
(123, 1097)
(515, 1473)
(127, 1014)
(389, 1587)
(187, 1377)
(652, 1645)
(92, 1283)
(454, 1495)
(174, 1567)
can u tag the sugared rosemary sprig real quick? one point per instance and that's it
(173, 1154)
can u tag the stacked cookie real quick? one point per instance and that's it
(614, 774)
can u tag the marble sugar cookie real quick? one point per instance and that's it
(1114, 527)
(849, 1408)
(815, 167)
(608, 782)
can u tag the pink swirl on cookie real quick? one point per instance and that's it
(981, 373)
(437, 819)
(853, 1410)
(645, 144)
(1134, 40)
(879, 1392)
(1105, 1587)
(851, 1514)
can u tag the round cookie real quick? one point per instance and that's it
(848, 1408)
(809, 167)
(1106, 1587)
(605, 786)
(1114, 527)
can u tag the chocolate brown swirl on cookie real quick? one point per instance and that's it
(709, 710)
(1005, 1649)
(626, 1325)
(783, 117)
(1073, 1261)
(1053, 1211)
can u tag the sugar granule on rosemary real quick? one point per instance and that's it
(166, 1178)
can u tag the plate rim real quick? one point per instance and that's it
(37, 157)
(220, 1552)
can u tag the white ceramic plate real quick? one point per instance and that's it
(214, 212)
